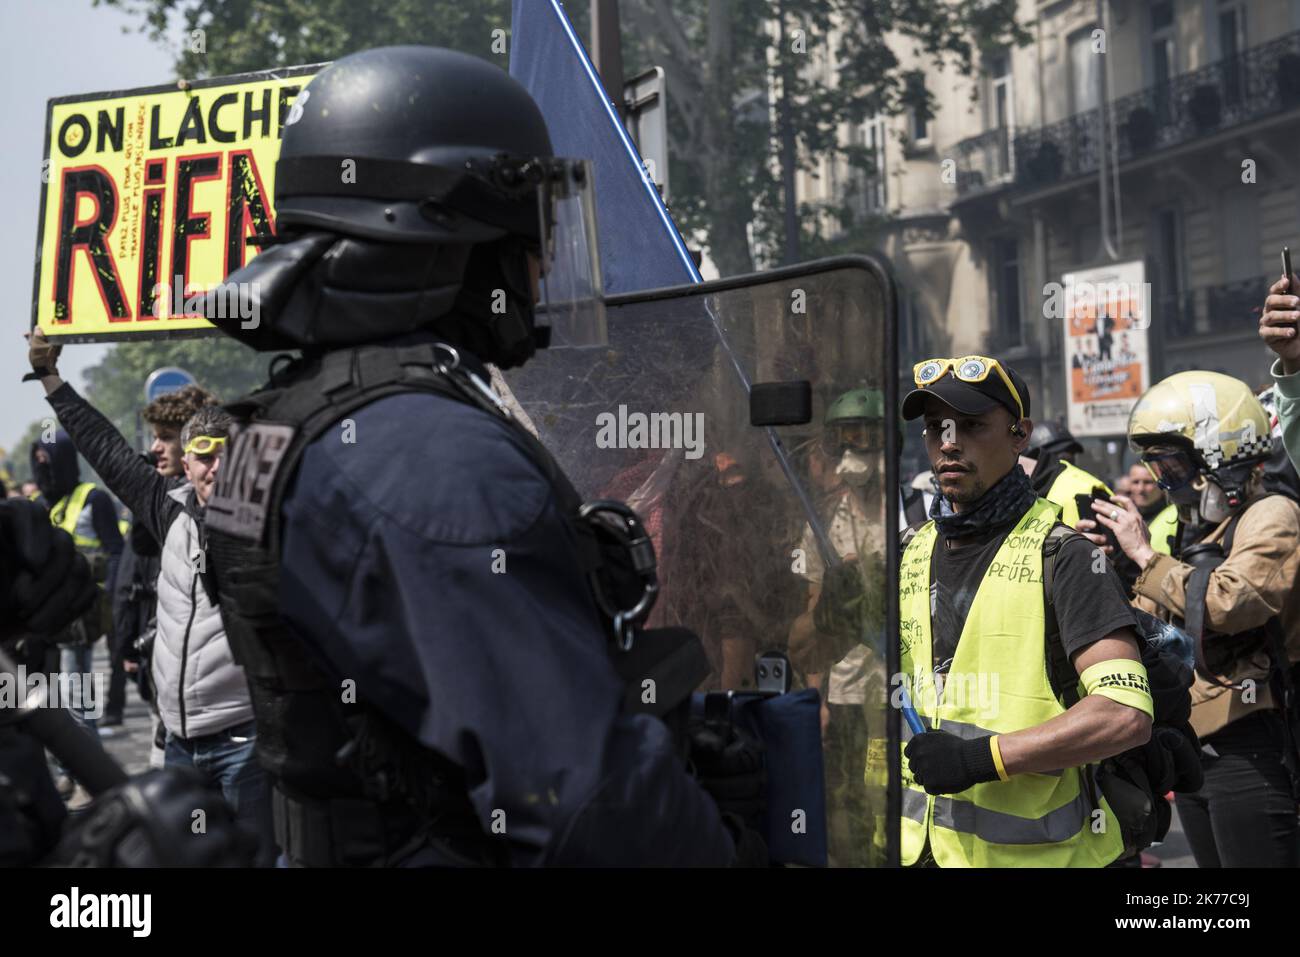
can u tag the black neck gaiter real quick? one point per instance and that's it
(1149, 512)
(1008, 499)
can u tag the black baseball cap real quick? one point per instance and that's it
(970, 398)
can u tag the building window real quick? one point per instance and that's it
(1006, 278)
(868, 195)
(1084, 72)
(1164, 56)
(919, 111)
(1002, 106)
(1232, 42)
(874, 140)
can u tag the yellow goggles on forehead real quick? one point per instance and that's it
(204, 444)
(967, 369)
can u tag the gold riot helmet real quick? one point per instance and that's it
(1198, 421)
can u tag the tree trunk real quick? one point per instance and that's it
(789, 199)
(729, 209)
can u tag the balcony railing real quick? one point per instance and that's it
(1257, 83)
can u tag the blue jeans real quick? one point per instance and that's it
(227, 760)
(86, 703)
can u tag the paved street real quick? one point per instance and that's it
(1174, 852)
(129, 742)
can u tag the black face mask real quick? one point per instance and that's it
(43, 476)
(320, 291)
(1008, 499)
(60, 473)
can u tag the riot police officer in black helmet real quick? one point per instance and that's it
(402, 571)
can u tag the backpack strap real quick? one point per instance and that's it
(1060, 673)
(914, 507)
(1198, 584)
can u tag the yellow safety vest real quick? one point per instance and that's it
(1164, 528)
(997, 684)
(68, 509)
(1073, 481)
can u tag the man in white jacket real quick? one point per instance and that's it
(203, 697)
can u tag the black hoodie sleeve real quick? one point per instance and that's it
(103, 514)
(104, 517)
(125, 624)
(123, 470)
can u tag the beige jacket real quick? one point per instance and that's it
(1257, 581)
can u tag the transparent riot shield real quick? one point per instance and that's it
(769, 538)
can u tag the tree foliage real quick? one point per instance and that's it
(727, 73)
(220, 365)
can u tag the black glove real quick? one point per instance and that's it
(751, 849)
(150, 822)
(43, 356)
(731, 766)
(44, 582)
(943, 763)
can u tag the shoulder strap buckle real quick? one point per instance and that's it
(618, 521)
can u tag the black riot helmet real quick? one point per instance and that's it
(1051, 439)
(413, 184)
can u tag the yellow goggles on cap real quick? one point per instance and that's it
(204, 445)
(967, 369)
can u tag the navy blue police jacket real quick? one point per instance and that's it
(427, 559)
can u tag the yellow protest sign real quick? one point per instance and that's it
(149, 198)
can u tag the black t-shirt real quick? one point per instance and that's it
(1089, 605)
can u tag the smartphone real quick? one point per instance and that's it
(1286, 274)
(1083, 502)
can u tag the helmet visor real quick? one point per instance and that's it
(858, 435)
(1172, 470)
(572, 300)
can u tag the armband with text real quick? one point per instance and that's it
(1122, 680)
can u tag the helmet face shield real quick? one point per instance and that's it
(572, 300)
(1171, 470)
(856, 435)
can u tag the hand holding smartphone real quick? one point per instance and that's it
(1083, 502)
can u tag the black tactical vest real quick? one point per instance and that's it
(351, 788)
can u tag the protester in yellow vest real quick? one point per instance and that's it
(87, 514)
(79, 508)
(1160, 515)
(1054, 475)
(999, 777)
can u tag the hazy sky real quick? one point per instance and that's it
(50, 48)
